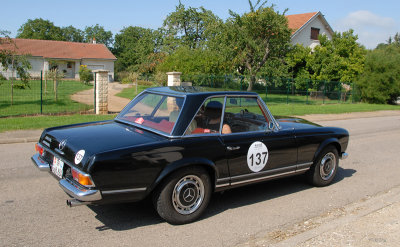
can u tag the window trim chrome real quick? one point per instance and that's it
(168, 135)
(263, 108)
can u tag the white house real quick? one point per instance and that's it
(66, 56)
(306, 28)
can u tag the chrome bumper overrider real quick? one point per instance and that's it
(344, 156)
(41, 164)
(78, 193)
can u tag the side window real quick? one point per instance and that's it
(208, 118)
(244, 114)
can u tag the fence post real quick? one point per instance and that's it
(308, 85)
(287, 91)
(94, 94)
(225, 79)
(340, 91)
(41, 92)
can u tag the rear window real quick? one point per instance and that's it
(154, 111)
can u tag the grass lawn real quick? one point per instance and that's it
(130, 92)
(302, 109)
(27, 101)
(41, 122)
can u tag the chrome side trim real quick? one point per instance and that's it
(108, 192)
(40, 164)
(263, 178)
(304, 166)
(79, 193)
(222, 185)
(222, 182)
(293, 170)
(344, 156)
(302, 170)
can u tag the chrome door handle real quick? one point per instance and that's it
(232, 148)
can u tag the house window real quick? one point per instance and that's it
(314, 33)
(69, 65)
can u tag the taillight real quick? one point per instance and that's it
(80, 177)
(39, 149)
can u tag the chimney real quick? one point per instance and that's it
(94, 40)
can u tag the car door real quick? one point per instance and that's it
(254, 152)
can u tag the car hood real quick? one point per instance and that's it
(94, 138)
(296, 123)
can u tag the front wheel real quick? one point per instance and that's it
(183, 196)
(324, 168)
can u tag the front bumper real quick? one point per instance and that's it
(75, 191)
(344, 156)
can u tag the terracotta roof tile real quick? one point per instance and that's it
(60, 49)
(297, 21)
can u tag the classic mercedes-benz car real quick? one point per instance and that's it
(181, 144)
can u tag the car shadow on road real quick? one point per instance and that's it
(126, 216)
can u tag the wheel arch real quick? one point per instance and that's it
(331, 141)
(208, 165)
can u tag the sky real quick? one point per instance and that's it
(373, 21)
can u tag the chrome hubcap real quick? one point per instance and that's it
(327, 166)
(188, 194)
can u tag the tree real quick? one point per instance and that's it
(55, 75)
(380, 82)
(40, 29)
(340, 59)
(100, 34)
(187, 26)
(10, 60)
(133, 46)
(194, 61)
(254, 38)
(72, 34)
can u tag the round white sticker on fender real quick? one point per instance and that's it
(79, 156)
(257, 156)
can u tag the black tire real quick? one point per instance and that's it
(183, 196)
(324, 169)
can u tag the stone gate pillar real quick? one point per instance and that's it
(101, 91)
(174, 78)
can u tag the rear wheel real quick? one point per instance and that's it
(324, 169)
(183, 196)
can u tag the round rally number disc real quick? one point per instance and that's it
(257, 156)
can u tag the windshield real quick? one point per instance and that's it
(158, 112)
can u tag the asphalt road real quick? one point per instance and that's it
(33, 210)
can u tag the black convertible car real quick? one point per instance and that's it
(181, 144)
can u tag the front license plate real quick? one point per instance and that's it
(57, 167)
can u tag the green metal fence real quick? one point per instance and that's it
(278, 90)
(45, 97)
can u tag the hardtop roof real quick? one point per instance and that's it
(193, 90)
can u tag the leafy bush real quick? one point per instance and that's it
(85, 74)
(2, 77)
(129, 77)
(380, 82)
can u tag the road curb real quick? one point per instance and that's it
(19, 140)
